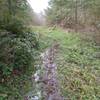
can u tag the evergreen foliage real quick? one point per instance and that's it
(71, 12)
(18, 44)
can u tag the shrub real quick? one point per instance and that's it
(16, 52)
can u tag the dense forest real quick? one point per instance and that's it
(52, 55)
(80, 15)
(69, 13)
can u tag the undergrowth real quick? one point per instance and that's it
(78, 63)
(17, 58)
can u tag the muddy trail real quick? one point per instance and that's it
(45, 79)
(50, 83)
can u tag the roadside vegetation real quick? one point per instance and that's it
(18, 45)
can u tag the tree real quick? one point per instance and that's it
(73, 12)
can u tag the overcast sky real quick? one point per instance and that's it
(39, 5)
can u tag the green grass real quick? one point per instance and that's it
(78, 65)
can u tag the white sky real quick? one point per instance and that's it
(38, 5)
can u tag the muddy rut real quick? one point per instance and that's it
(50, 83)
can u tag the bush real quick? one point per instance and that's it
(16, 51)
(13, 24)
